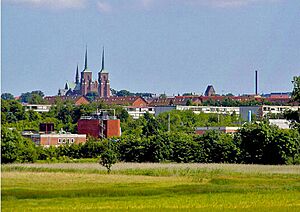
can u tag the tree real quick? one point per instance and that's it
(7, 96)
(91, 96)
(262, 143)
(189, 102)
(33, 97)
(15, 148)
(296, 90)
(163, 96)
(152, 126)
(124, 93)
(108, 158)
(294, 116)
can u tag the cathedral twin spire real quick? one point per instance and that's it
(77, 78)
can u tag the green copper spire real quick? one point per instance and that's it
(102, 59)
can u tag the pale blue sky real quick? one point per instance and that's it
(158, 46)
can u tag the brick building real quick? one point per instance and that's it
(99, 125)
(175, 100)
(202, 130)
(48, 137)
(57, 139)
(76, 100)
(135, 101)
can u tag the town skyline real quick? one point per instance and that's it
(165, 48)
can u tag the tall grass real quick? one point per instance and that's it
(157, 169)
(43, 188)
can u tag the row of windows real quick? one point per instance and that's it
(66, 140)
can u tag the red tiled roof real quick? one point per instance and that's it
(120, 100)
(53, 99)
(177, 100)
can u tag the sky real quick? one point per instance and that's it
(157, 46)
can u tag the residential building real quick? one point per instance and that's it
(135, 101)
(175, 100)
(210, 109)
(137, 112)
(36, 107)
(273, 109)
(76, 100)
(202, 130)
(281, 123)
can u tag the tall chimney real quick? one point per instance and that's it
(256, 84)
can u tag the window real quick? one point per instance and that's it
(59, 141)
(64, 141)
(72, 140)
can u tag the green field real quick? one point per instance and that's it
(156, 187)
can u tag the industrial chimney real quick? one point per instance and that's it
(256, 83)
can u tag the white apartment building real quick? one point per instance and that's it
(137, 112)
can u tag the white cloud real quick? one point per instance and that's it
(211, 3)
(57, 4)
(109, 5)
(104, 7)
(229, 3)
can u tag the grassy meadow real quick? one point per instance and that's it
(146, 186)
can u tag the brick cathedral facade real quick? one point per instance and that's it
(84, 83)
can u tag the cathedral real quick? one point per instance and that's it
(84, 83)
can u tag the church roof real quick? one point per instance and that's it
(103, 71)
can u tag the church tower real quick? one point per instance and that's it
(86, 78)
(104, 86)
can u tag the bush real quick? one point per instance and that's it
(15, 148)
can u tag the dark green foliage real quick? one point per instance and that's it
(34, 97)
(152, 126)
(91, 96)
(92, 148)
(124, 93)
(12, 111)
(15, 148)
(131, 149)
(264, 144)
(184, 148)
(7, 96)
(219, 148)
(108, 157)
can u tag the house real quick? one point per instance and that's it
(135, 101)
(76, 100)
(176, 100)
(202, 130)
(137, 112)
(36, 107)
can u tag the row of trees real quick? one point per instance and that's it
(254, 143)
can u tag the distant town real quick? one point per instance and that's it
(85, 90)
